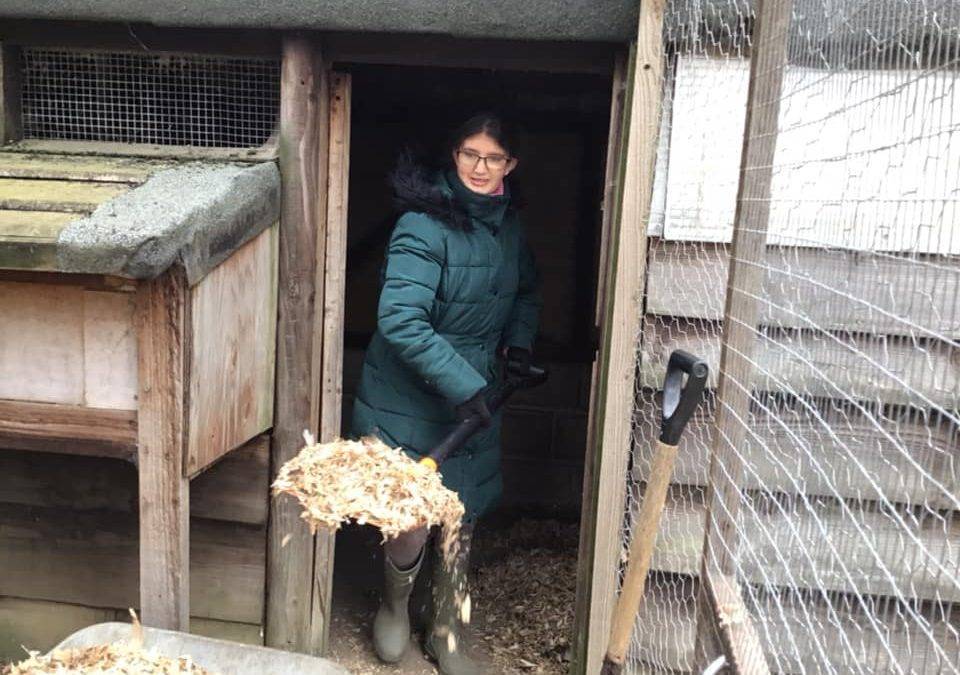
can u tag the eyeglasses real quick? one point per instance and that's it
(471, 160)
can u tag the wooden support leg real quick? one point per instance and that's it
(303, 165)
(164, 488)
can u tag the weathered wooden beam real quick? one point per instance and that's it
(334, 289)
(71, 167)
(11, 111)
(90, 558)
(613, 189)
(268, 151)
(234, 490)
(56, 195)
(303, 165)
(460, 52)
(237, 488)
(612, 409)
(738, 636)
(901, 457)
(71, 429)
(612, 177)
(829, 289)
(742, 310)
(592, 475)
(162, 345)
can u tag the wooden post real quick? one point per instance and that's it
(616, 160)
(162, 343)
(334, 289)
(613, 403)
(742, 312)
(11, 113)
(303, 166)
(613, 174)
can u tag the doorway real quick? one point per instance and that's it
(564, 120)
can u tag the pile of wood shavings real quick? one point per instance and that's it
(122, 658)
(369, 483)
(527, 597)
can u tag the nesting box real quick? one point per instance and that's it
(139, 303)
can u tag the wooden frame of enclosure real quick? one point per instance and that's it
(621, 314)
(169, 376)
(313, 152)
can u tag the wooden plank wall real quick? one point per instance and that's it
(232, 361)
(68, 344)
(69, 545)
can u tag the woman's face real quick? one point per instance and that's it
(482, 163)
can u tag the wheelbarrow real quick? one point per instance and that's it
(217, 656)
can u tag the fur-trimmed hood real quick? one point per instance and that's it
(419, 189)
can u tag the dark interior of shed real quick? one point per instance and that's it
(564, 123)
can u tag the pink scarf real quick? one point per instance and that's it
(499, 191)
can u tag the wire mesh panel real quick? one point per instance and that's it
(164, 99)
(844, 492)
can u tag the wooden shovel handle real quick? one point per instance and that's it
(641, 550)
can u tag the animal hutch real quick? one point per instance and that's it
(192, 219)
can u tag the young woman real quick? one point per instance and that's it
(459, 290)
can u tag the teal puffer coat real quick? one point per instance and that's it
(459, 284)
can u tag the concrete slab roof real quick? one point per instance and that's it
(129, 217)
(575, 20)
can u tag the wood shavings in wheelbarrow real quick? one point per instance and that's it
(126, 657)
(369, 483)
(526, 596)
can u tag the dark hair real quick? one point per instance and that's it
(493, 126)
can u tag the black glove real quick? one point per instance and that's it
(520, 358)
(475, 406)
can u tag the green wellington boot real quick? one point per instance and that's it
(444, 642)
(391, 626)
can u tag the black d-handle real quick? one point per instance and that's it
(468, 427)
(679, 399)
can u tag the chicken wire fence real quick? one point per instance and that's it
(846, 545)
(156, 98)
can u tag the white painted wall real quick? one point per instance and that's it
(865, 160)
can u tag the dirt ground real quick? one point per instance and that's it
(522, 587)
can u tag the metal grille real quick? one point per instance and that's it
(162, 99)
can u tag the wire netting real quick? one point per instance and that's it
(162, 99)
(846, 545)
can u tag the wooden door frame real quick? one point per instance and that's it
(633, 140)
(306, 627)
(314, 161)
(303, 167)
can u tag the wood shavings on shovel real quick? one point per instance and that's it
(126, 657)
(369, 483)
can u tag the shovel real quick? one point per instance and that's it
(517, 377)
(679, 401)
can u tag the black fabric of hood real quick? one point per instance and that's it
(416, 188)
